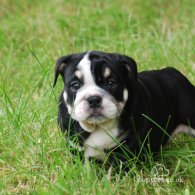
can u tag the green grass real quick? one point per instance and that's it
(34, 157)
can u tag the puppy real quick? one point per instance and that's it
(107, 108)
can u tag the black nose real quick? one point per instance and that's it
(94, 101)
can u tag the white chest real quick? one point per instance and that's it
(100, 140)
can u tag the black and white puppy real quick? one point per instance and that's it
(108, 106)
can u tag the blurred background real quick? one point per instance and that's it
(33, 34)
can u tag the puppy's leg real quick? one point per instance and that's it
(185, 129)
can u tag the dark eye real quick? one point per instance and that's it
(112, 83)
(75, 85)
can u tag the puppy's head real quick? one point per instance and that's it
(96, 86)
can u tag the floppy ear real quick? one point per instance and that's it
(60, 66)
(131, 68)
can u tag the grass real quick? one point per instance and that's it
(34, 157)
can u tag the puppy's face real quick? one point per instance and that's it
(96, 86)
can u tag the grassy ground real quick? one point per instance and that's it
(33, 34)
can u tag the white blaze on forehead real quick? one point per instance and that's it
(85, 67)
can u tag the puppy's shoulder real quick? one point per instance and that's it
(174, 74)
(171, 70)
(168, 78)
(162, 73)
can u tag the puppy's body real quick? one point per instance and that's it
(164, 100)
(112, 108)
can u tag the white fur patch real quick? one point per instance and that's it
(85, 67)
(95, 126)
(185, 129)
(107, 72)
(86, 92)
(68, 105)
(65, 96)
(100, 140)
(78, 74)
(125, 95)
(105, 138)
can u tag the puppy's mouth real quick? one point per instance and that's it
(96, 117)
